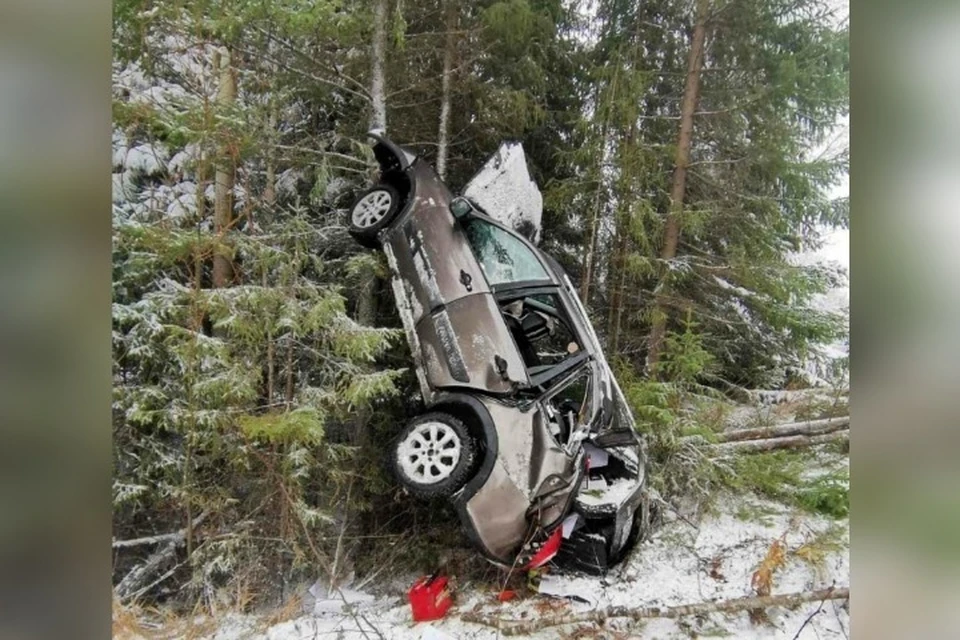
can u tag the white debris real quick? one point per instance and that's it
(568, 524)
(599, 491)
(504, 189)
(576, 588)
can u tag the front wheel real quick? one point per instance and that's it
(434, 455)
(373, 210)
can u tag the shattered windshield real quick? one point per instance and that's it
(502, 256)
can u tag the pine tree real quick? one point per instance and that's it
(240, 380)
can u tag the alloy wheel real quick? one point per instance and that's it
(430, 453)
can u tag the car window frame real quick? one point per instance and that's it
(557, 372)
(550, 278)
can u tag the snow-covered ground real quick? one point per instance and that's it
(681, 564)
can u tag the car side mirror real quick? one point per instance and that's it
(461, 208)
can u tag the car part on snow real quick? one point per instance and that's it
(547, 550)
(503, 349)
(434, 455)
(372, 211)
(429, 598)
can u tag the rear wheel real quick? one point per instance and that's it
(373, 210)
(434, 455)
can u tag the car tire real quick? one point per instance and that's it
(434, 455)
(373, 210)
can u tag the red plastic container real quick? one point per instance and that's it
(429, 598)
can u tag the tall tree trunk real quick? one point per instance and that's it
(450, 24)
(288, 390)
(589, 256)
(270, 180)
(269, 200)
(367, 301)
(225, 176)
(616, 282)
(671, 231)
(377, 84)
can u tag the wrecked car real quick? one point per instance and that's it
(525, 429)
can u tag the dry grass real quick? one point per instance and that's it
(135, 622)
(762, 579)
(292, 608)
(127, 623)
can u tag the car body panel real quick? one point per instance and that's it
(525, 467)
(460, 343)
(428, 243)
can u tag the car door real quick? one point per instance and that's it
(462, 338)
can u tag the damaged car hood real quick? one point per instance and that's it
(504, 190)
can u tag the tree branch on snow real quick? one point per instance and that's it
(805, 428)
(772, 444)
(132, 584)
(511, 627)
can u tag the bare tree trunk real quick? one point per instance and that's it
(671, 231)
(621, 289)
(590, 253)
(773, 444)
(807, 428)
(270, 179)
(288, 392)
(450, 24)
(587, 269)
(225, 176)
(377, 84)
(367, 301)
(598, 617)
(615, 283)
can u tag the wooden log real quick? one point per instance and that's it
(806, 428)
(514, 627)
(772, 444)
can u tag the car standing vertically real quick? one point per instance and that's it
(525, 427)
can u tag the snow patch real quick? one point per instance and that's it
(681, 564)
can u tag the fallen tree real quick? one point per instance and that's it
(514, 627)
(806, 428)
(772, 444)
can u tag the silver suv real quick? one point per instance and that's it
(525, 427)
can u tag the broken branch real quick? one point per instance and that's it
(518, 627)
(132, 584)
(163, 537)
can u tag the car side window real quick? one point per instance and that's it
(503, 257)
